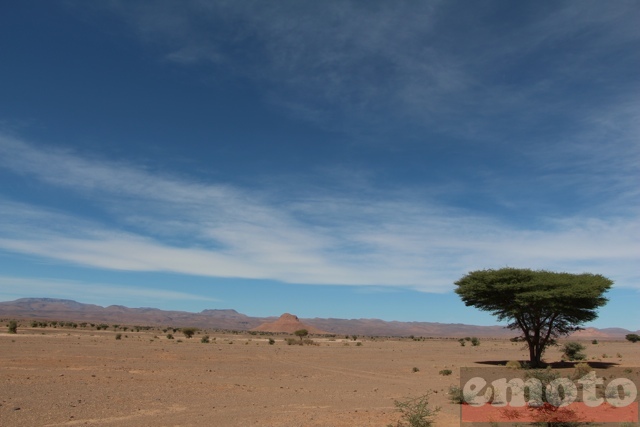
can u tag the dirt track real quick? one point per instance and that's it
(83, 377)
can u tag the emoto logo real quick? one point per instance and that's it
(548, 396)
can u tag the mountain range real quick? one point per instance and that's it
(228, 319)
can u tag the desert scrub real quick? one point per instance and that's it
(415, 412)
(455, 395)
(475, 341)
(12, 327)
(580, 370)
(118, 336)
(513, 364)
(189, 332)
(169, 336)
(573, 351)
(272, 341)
(205, 339)
(446, 372)
(415, 369)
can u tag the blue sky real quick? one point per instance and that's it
(329, 159)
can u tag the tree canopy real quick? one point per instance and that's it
(542, 304)
(301, 333)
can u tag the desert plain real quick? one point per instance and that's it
(86, 377)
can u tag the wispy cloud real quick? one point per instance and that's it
(157, 222)
(442, 64)
(549, 87)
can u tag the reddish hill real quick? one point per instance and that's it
(288, 323)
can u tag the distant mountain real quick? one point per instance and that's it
(68, 310)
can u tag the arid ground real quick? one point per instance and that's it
(68, 377)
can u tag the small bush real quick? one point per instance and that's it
(358, 344)
(580, 370)
(446, 372)
(594, 342)
(415, 412)
(189, 332)
(573, 351)
(13, 327)
(461, 341)
(513, 364)
(272, 341)
(415, 369)
(205, 339)
(455, 395)
(169, 336)
(475, 342)
(118, 336)
(293, 341)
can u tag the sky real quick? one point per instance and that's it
(328, 159)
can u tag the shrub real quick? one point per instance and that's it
(358, 344)
(189, 332)
(573, 351)
(293, 341)
(34, 324)
(309, 342)
(461, 341)
(205, 339)
(513, 364)
(118, 336)
(580, 370)
(632, 337)
(475, 342)
(13, 327)
(169, 336)
(415, 412)
(455, 395)
(594, 342)
(445, 372)
(272, 341)
(415, 369)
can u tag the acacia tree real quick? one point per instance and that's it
(301, 333)
(543, 305)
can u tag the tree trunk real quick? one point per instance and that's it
(535, 355)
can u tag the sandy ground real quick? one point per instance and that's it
(55, 377)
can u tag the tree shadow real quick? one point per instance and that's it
(554, 365)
